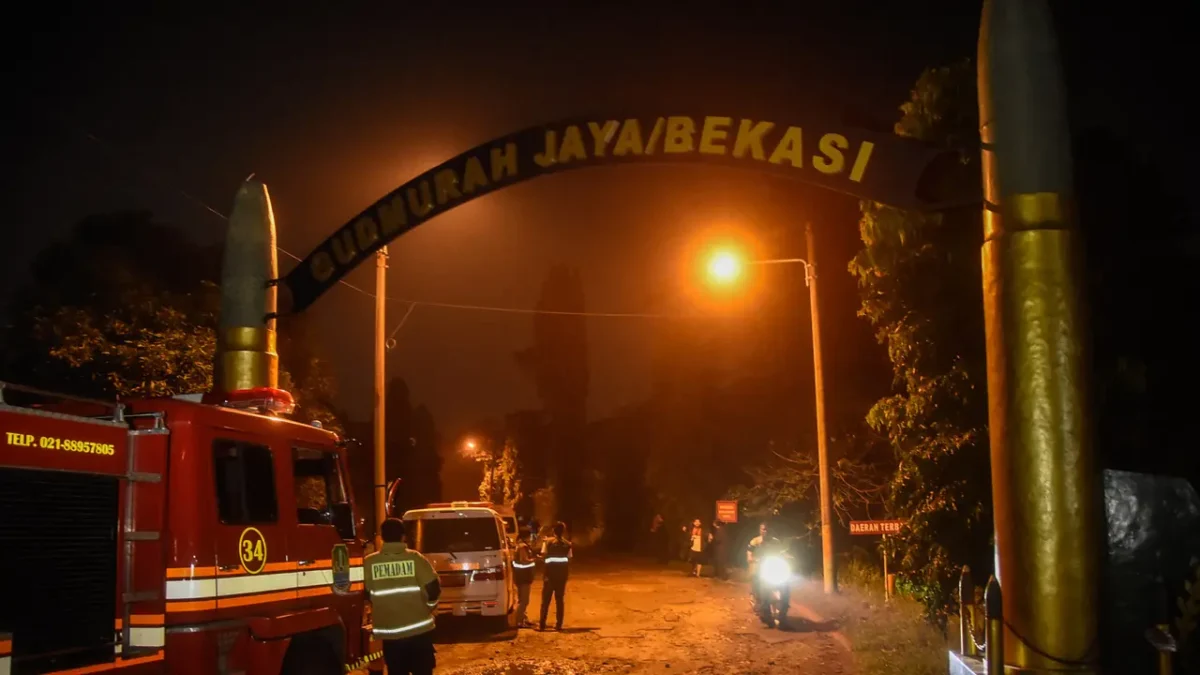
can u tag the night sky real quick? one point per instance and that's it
(168, 112)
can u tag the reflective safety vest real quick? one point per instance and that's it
(395, 578)
(557, 555)
(523, 564)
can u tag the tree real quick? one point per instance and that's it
(920, 286)
(307, 377)
(124, 306)
(719, 396)
(557, 362)
(143, 347)
(127, 307)
(501, 482)
(425, 464)
(859, 486)
(412, 447)
(683, 466)
(620, 446)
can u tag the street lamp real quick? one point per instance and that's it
(725, 267)
(472, 449)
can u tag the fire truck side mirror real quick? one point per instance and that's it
(389, 505)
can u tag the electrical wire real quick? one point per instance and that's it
(390, 342)
(516, 310)
(412, 304)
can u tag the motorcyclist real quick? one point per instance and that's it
(767, 546)
(752, 558)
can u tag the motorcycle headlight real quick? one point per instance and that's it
(776, 571)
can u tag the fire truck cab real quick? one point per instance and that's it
(170, 535)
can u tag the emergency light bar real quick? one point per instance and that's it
(262, 399)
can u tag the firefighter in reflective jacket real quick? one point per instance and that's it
(556, 556)
(523, 563)
(403, 590)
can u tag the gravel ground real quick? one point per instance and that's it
(631, 617)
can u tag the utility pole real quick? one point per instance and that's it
(828, 567)
(380, 392)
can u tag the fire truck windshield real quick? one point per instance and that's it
(320, 491)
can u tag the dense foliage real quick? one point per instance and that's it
(920, 287)
(143, 346)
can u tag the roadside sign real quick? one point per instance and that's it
(727, 511)
(867, 527)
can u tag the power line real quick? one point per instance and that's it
(196, 201)
(508, 310)
(390, 343)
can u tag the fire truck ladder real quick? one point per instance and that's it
(138, 535)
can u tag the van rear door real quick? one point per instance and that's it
(459, 545)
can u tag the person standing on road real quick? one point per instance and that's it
(720, 549)
(403, 590)
(523, 566)
(556, 554)
(696, 546)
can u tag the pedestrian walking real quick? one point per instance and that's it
(720, 550)
(523, 569)
(556, 556)
(404, 590)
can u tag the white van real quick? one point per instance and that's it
(468, 548)
(507, 515)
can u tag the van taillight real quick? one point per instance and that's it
(489, 574)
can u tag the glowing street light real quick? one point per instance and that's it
(725, 267)
(470, 449)
(482, 452)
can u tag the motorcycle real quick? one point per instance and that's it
(774, 590)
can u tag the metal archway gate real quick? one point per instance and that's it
(870, 165)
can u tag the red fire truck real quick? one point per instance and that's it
(174, 535)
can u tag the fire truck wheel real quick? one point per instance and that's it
(310, 655)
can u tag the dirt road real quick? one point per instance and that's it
(632, 617)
